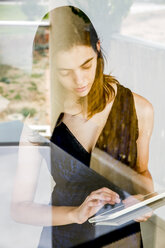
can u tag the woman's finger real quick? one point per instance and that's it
(96, 203)
(100, 196)
(107, 190)
(104, 197)
(144, 218)
(141, 219)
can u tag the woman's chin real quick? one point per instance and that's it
(82, 94)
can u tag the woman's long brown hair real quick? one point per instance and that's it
(72, 27)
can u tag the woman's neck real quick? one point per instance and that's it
(72, 105)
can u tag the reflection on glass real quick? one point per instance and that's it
(95, 111)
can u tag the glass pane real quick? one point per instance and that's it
(24, 73)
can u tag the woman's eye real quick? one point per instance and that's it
(64, 73)
(87, 67)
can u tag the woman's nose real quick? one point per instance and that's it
(79, 78)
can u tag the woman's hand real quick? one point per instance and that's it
(93, 203)
(131, 200)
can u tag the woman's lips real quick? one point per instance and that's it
(82, 88)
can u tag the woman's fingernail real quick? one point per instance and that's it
(108, 198)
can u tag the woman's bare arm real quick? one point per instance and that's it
(23, 207)
(145, 115)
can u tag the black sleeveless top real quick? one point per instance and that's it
(63, 138)
(118, 137)
(74, 181)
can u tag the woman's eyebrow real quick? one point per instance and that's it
(67, 69)
(88, 60)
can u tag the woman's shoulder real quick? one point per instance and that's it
(115, 84)
(142, 105)
(144, 110)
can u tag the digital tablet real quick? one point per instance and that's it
(133, 209)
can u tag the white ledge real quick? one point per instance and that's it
(25, 23)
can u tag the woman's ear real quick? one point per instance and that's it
(98, 46)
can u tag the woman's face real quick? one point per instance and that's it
(76, 69)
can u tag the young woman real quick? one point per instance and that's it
(96, 111)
